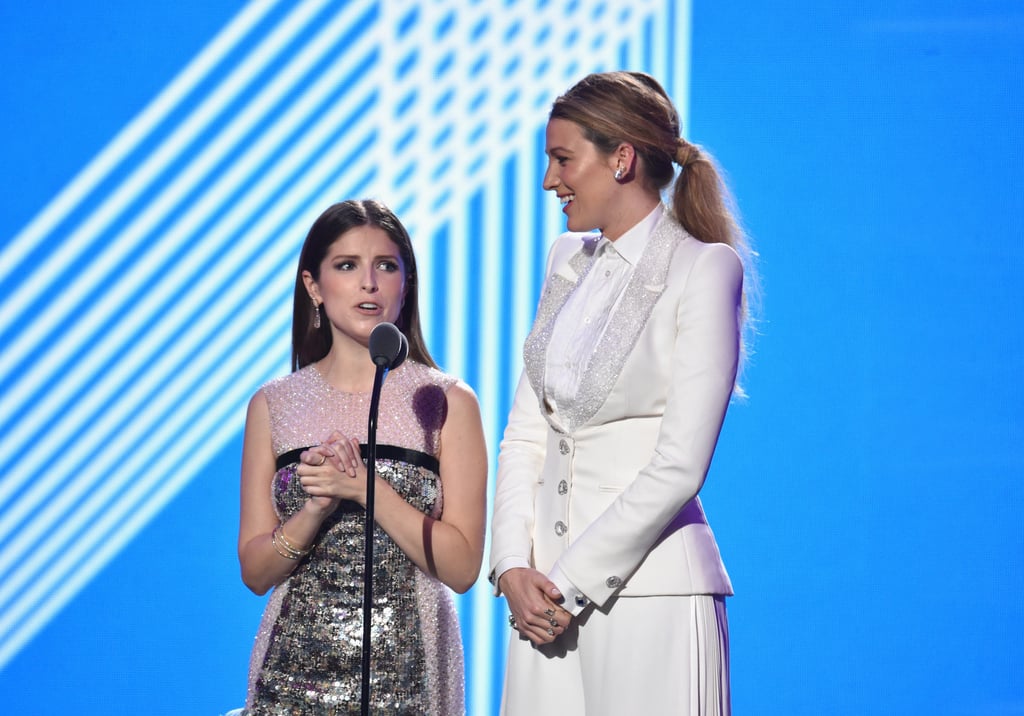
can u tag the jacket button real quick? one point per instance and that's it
(563, 447)
(560, 528)
(581, 601)
(563, 487)
(613, 582)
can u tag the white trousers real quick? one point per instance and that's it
(640, 655)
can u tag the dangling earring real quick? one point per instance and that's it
(618, 174)
(316, 314)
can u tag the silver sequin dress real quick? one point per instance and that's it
(307, 657)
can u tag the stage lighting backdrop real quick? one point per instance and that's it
(163, 161)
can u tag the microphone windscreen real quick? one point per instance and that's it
(385, 344)
(403, 353)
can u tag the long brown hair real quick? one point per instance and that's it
(612, 108)
(309, 343)
(632, 107)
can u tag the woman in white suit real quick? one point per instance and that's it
(599, 541)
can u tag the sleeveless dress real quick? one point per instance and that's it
(308, 653)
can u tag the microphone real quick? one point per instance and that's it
(386, 343)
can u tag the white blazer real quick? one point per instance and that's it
(606, 494)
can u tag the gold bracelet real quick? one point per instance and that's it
(277, 547)
(289, 545)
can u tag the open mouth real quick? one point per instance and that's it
(567, 199)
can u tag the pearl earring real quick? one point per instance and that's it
(618, 174)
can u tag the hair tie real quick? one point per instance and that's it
(686, 153)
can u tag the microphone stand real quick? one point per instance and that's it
(371, 459)
(388, 348)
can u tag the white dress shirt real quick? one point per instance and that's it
(582, 322)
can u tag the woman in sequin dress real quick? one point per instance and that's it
(304, 489)
(599, 541)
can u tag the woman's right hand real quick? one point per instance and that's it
(533, 600)
(322, 456)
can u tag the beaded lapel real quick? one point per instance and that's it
(643, 290)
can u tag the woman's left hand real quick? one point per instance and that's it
(334, 470)
(531, 600)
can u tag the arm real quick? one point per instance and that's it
(450, 548)
(263, 566)
(533, 599)
(521, 455)
(520, 460)
(703, 371)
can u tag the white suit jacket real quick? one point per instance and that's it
(606, 494)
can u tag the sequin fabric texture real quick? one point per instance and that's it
(307, 657)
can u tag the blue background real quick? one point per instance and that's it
(866, 496)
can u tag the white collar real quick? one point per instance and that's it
(630, 246)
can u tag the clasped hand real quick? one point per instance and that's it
(534, 600)
(333, 471)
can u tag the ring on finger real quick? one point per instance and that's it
(512, 620)
(551, 632)
(550, 612)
